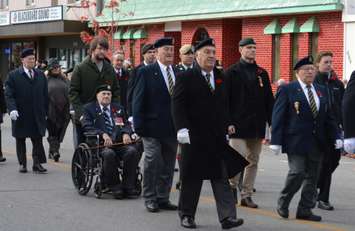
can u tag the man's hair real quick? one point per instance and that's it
(98, 40)
(116, 54)
(322, 54)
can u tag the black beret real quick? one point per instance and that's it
(27, 52)
(166, 41)
(104, 87)
(147, 47)
(203, 43)
(305, 61)
(246, 41)
(53, 63)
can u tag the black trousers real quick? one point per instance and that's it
(190, 194)
(330, 163)
(0, 143)
(38, 154)
(56, 134)
(111, 159)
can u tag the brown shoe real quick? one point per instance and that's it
(248, 202)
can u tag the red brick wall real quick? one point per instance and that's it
(232, 33)
(177, 44)
(330, 38)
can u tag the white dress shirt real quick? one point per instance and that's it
(165, 75)
(211, 78)
(305, 91)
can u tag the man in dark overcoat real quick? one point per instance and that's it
(301, 121)
(153, 122)
(349, 115)
(249, 104)
(198, 109)
(26, 93)
(122, 75)
(2, 113)
(148, 53)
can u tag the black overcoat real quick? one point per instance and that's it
(201, 111)
(30, 99)
(349, 108)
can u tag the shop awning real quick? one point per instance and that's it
(290, 27)
(118, 34)
(128, 34)
(310, 26)
(140, 34)
(273, 27)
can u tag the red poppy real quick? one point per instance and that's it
(219, 81)
(319, 93)
(259, 71)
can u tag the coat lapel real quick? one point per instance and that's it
(301, 95)
(160, 77)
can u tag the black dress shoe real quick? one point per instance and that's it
(2, 159)
(325, 205)
(117, 192)
(22, 169)
(131, 193)
(248, 202)
(56, 156)
(152, 206)
(308, 216)
(188, 222)
(167, 206)
(282, 212)
(231, 223)
(38, 169)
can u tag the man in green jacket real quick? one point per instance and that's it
(94, 71)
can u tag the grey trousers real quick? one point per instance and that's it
(158, 169)
(304, 171)
(190, 194)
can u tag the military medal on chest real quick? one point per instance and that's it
(297, 107)
(260, 81)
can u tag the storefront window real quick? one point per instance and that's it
(68, 57)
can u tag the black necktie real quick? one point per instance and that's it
(31, 73)
(208, 80)
(312, 102)
(108, 121)
(170, 81)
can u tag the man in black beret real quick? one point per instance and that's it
(302, 126)
(26, 93)
(199, 117)
(148, 53)
(249, 103)
(109, 121)
(153, 122)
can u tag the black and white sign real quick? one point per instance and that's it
(37, 15)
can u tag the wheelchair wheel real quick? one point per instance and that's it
(82, 169)
(98, 188)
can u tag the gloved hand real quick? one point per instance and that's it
(275, 148)
(14, 115)
(183, 136)
(338, 144)
(349, 145)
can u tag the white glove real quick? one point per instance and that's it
(338, 144)
(72, 112)
(275, 148)
(349, 145)
(183, 136)
(14, 115)
(130, 119)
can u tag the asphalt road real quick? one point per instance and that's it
(32, 202)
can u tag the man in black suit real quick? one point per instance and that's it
(198, 108)
(349, 115)
(108, 120)
(26, 93)
(301, 121)
(153, 122)
(121, 76)
(148, 53)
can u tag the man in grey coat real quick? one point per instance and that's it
(26, 94)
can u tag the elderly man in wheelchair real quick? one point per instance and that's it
(108, 122)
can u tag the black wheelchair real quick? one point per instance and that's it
(86, 168)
